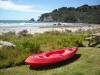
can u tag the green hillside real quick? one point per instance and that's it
(82, 14)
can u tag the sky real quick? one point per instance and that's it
(26, 9)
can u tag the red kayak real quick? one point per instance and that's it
(47, 58)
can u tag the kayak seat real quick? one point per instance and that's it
(67, 51)
(56, 53)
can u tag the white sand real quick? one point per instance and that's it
(33, 30)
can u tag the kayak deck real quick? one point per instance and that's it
(47, 58)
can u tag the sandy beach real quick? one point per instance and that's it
(42, 29)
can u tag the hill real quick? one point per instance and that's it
(82, 14)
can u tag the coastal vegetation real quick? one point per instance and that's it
(82, 14)
(28, 44)
(12, 58)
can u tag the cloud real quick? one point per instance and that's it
(9, 5)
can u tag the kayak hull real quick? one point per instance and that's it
(48, 58)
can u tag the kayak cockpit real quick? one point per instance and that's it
(59, 52)
(47, 58)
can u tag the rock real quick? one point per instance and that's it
(46, 18)
(4, 43)
(23, 32)
(32, 20)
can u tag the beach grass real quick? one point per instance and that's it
(26, 45)
(86, 62)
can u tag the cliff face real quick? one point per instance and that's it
(46, 18)
(83, 14)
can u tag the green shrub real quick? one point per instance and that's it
(33, 47)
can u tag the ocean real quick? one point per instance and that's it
(25, 23)
(18, 23)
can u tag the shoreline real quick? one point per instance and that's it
(42, 29)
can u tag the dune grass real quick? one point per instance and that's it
(86, 62)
